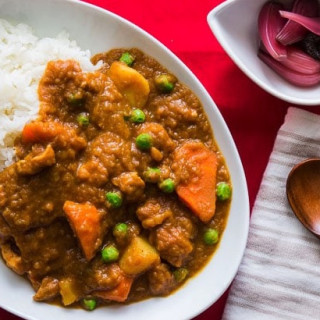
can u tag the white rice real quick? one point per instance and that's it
(23, 58)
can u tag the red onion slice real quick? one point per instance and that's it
(269, 25)
(312, 24)
(299, 61)
(293, 32)
(296, 78)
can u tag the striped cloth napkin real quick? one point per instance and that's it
(279, 277)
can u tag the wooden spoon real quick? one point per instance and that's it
(303, 192)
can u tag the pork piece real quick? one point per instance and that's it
(70, 139)
(103, 276)
(13, 259)
(48, 289)
(93, 172)
(109, 107)
(160, 137)
(105, 155)
(34, 162)
(45, 250)
(161, 280)
(61, 88)
(30, 201)
(152, 214)
(176, 111)
(172, 240)
(130, 184)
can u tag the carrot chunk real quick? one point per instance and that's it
(84, 219)
(38, 131)
(119, 293)
(198, 191)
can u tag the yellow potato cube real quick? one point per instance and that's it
(131, 84)
(68, 291)
(138, 257)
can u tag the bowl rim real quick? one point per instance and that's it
(241, 175)
(213, 21)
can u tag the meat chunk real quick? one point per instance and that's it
(176, 111)
(12, 259)
(160, 137)
(93, 172)
(106, 154)
(27, 199)
(104, 276)
(42, 260)
(109, 106)
(34, 163)
(152, 214)
(48, 289)
(130, 184)
(172, 240)
(161, 279)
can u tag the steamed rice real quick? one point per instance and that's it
(23, 58)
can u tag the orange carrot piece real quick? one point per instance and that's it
(198, 193)
(119, 293)
(37, 131)
(84, 219)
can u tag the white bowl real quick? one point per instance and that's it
(99, 30)
(234, 24)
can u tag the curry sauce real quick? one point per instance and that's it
(114, 187)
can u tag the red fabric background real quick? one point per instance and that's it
(253, 116)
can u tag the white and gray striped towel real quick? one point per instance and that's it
(279, 277)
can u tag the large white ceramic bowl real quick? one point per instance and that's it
(99, 30)
(234, 23)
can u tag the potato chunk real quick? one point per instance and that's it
(138, 257)
(131, 84)
(69, 291)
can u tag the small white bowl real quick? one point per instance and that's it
(99, 30)
(234, 23)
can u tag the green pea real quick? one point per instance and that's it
(180, 274)
(89, 304)
(144, 141)
(211, 236)
(114, 199)
(120, 229)
(223, 191)
(137, 116)
(75, 99)
(167, 185)
(83, 119)
(110, 254)
(127, 58)
(165, 83)
(152, 175)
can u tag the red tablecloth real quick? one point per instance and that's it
(252, 115)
